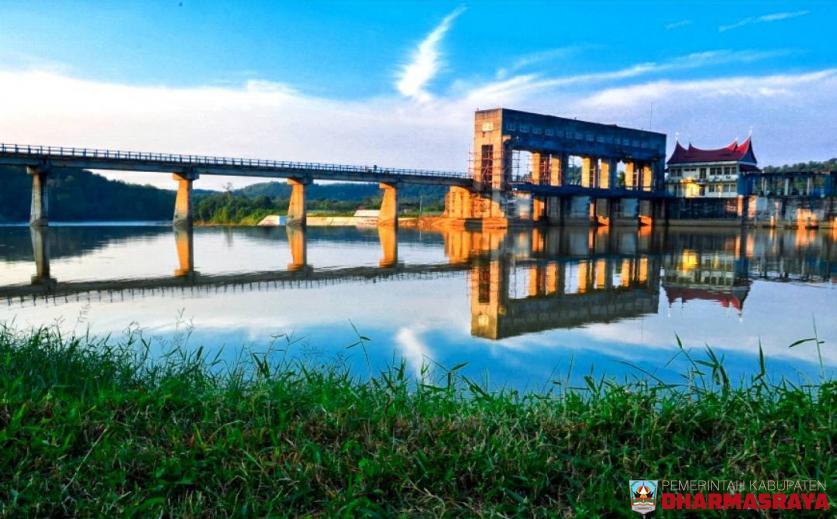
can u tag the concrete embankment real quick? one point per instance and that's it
(336, 221)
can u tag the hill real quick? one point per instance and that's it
(407, 193)
(77, 195)
(828, 165)
(250, 204)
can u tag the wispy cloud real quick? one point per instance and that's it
(775, 17)
(268, 120)
(527, 83)
(426, 61)
(675, 25)
(535, 58)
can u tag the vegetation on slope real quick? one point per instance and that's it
(828, 165)
(76, 195)
(252, 203)
(89, 428)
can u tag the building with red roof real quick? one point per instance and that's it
(694, 172)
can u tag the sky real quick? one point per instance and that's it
(396, 83)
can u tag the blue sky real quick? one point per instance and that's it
(397, 83)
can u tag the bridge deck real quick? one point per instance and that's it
(26, 155)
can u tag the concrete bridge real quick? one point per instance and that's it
(185, 169)
(490, 195)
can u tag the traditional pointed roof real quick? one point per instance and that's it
(732, 152)
(732, 299)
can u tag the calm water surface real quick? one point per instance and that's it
(522, 308)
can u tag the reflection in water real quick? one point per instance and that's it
(523, 290)
(185, 240)
(40, 252)
(529, 280)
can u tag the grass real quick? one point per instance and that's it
(90, 428)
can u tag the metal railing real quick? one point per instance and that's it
(60, 152)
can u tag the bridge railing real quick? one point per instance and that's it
(61, 152)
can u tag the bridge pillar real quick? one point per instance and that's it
(647, 177)
(630, 175)
(388, 235)
(577, 210)
(558, 165)
(297, 214)
(39, 210)
(608, 178)
(183, 201)
(388, 215)
(588, 171)
(458, 203)
(184, 241)
(299, 248)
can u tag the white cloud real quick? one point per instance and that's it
(534, 58)
(678, 24)
(792, 115)
(775, 17)
(426, 62)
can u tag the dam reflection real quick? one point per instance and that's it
(518, 281)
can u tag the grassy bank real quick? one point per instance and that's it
(89, 428)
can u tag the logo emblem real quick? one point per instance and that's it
(643, 495)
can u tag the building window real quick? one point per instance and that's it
(537, 130)
(549, 132)
(488, 126)
(524, 128)
(511, 127)
(702, 172)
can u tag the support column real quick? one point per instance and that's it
(608, 174)
(558, 165)
(588, 171)
(630, 175)
(458, 203)
(388, 235)
(297, 214)
(647, 177)
(184, 241)
(183, 202)
(388, 215)
(299, 248)
(39, 210)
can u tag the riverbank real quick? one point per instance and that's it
(89, 427)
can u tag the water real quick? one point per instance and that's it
(522, 308)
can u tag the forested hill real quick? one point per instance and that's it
(77, 195)
(828, 165)
(407, 193)
(252, 203)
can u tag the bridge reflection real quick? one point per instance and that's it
(519, 281)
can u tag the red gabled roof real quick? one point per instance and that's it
(727, 300)
(733, 152)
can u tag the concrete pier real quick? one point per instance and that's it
(297, 213)
(183, 202)
(39, 210)
(388, 215)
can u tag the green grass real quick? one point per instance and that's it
(88, 428)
